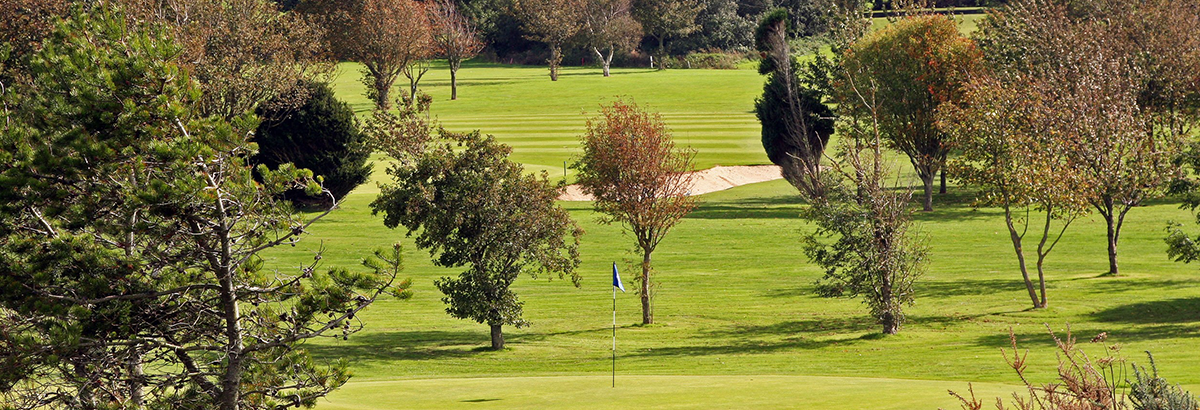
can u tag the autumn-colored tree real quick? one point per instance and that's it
(915, 65)
(666, 19)
(609, 26)
(385, 36)
(1123, 126)
(1013, 153)
(455, 39)
(469, 205)
(24, 23)
(638, 178)
(551, 22)
(244, 53)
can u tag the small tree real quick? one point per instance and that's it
(874, 254)
(917, 64)
(455, 38)
(665, 19)
(323, 136)
(796, 124)
(551, 22)
(474, 207)
(638, 179)
(386, 36)
(608, 27)
(131, 273)
(1011, 152)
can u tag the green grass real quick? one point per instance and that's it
(709, 110)
(736, 301)
(739, 324)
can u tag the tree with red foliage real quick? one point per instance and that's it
(455, 39)
(638, 179)
(386, 36)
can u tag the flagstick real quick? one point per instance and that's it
(614, 352)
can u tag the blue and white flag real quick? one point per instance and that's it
(617, 279)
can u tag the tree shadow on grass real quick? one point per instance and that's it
(1182, 310)
(926, 289)
(415, 345)
(965, 287)
(1041, 339)
(742, 212)
(799, 334)
(1103, 284)
(806, 334)
(774, 207)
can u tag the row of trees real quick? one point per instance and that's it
(1055, 108)
(395, 37)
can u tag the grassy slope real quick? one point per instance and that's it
(735, 296)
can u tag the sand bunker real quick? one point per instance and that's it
(714, 179)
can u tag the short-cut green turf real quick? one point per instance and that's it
(739, 325)
(709, 110)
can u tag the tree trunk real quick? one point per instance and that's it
(927, 181)
(453, 83)
(1107, 209)
(497, 338)
(647, 310)
(942, 189)
(891, 323)
(136, 373)
(382, 92)
(231, 314)
(1042, 279)
(232, 379)
(1016, 241)
(662, 52)
(555, 59)
(891, 326)
(604, 61)
(1112, 247)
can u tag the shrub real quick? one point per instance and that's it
(323, 136)
(713, 60)
(1149, 392)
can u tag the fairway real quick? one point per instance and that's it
(740, 324)
(709, 110)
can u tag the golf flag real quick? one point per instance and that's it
(617, 279)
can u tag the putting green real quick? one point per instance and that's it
(658, 392)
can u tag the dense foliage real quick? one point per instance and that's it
(796, 123)
(912, 67)
(131, 272)
(466, 203)
(322, 136)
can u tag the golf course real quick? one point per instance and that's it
(739, 325)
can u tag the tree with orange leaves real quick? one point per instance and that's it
(914, 66)
(638, 178)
